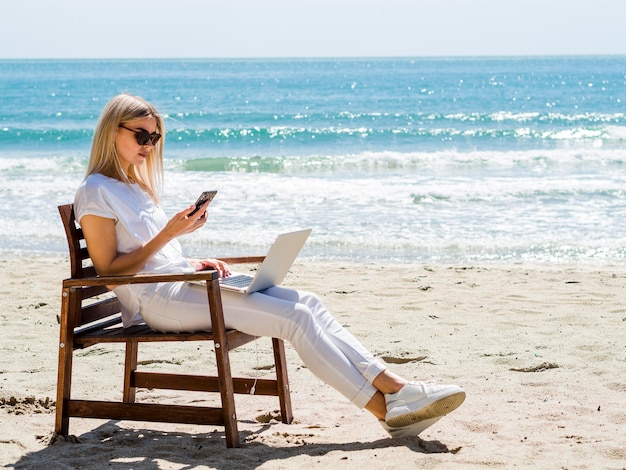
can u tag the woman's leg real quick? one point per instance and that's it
(385, 381)
(353, 350)
(325, 347)
(409, 407)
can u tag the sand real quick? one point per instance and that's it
(540, 350)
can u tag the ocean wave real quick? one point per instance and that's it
(195, 119)
(387, 161)
(45, 136)
(32, 163)
(384, 135)
(306, 127)
(451, 162)
(284, 139)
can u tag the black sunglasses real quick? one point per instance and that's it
(143, 136)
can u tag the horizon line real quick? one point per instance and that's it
(347, 57)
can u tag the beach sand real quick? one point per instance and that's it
(540, 350)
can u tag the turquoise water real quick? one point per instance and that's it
(434, 160)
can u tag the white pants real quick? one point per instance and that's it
(326, 348)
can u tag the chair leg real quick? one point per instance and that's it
(130, 366)
(225, 379)
(284, 394)
(64, 379)
(64, 383)
(227, 393)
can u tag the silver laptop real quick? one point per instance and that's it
(274, 268)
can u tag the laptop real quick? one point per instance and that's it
(274, 268)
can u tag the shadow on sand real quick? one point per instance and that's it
(113, 447)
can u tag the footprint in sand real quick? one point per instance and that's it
(402, 360)
(27, 405)
(540, 368)
(269, 417)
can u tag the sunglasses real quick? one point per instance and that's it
(143, 136)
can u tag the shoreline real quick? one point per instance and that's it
(539, 350)
(11, 254)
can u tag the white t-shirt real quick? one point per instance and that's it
(137, 220)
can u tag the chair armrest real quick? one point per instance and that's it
(207, 275)
(242, 259)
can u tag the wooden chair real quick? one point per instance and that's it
(86, 321)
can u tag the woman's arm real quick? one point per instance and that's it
(101, 240)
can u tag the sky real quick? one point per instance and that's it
(309, 28)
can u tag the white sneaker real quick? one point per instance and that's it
(419, 401)
(411, 430)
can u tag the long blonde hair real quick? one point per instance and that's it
(123, 109)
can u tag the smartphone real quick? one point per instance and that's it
(204, 197)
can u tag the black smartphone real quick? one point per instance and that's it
(204, 197)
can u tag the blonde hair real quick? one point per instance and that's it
(124, 109)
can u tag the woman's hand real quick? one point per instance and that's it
(210, 263)
(183, 223)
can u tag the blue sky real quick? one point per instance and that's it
(309, 28)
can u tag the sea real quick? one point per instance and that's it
(463, 160)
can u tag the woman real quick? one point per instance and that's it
(127, 232)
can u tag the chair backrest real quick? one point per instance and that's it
(81, 267)
(76, 243)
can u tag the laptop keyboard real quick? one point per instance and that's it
(236, 280)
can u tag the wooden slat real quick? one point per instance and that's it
(243, 259)
(237, 338)
(144, 412)
(99, 310)
(110, 322)
(89, 292)
(140, 279)
(139, 333)
(143, 334)
(89, 271)
(83, 252)
(201, 383)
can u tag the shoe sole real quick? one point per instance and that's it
(412, 430)
(436, 409)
